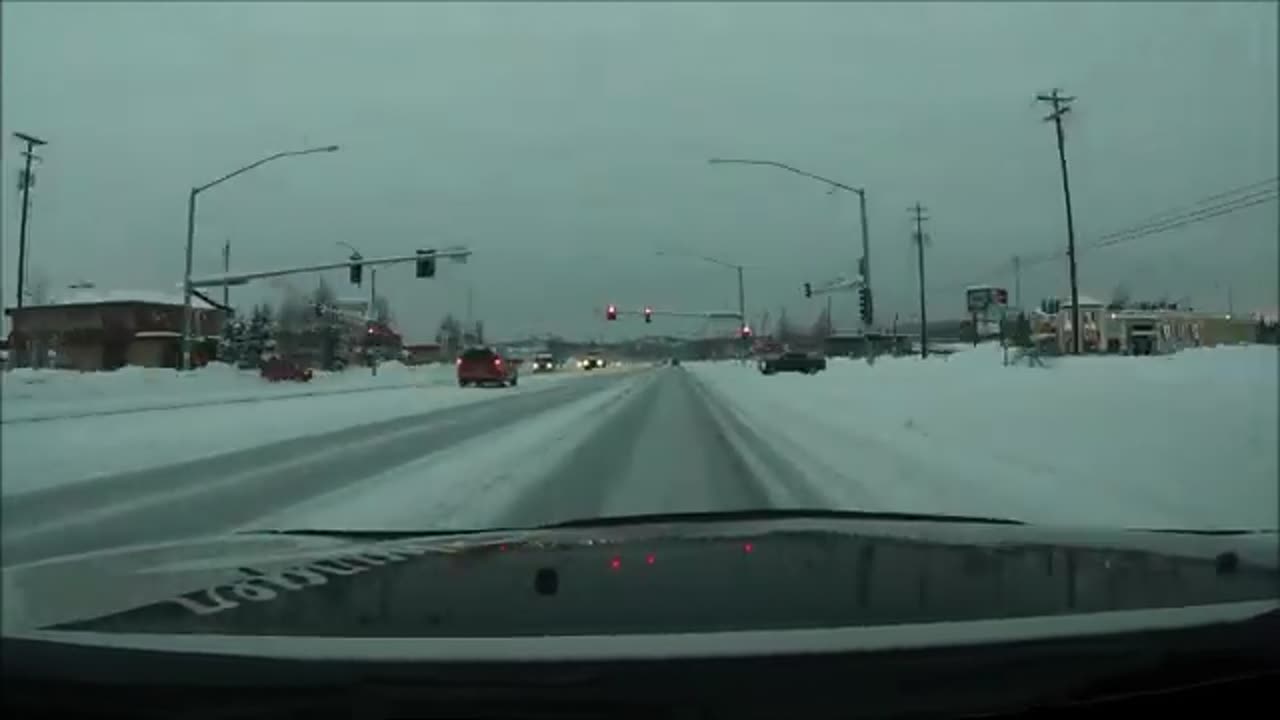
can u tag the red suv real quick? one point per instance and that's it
(481, 365)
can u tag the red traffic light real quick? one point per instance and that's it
(611, 313)
(1002, 296)
(746, 331)
(648, 314)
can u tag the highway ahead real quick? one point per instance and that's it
(607, 444)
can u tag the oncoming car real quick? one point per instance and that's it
(544, 362)
(592, 361)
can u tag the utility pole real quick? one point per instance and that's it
(919, 239)
(1061, 106)
(373, 299)
(25, 182)
(1017, 282)
(226, 269)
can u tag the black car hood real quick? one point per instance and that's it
(652, 578)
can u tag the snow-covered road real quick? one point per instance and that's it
(1185, 441)
(223, 492)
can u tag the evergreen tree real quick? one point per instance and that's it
(258, 338)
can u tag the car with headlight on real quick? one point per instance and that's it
(544, 362)
(486, 366)
(593, 361)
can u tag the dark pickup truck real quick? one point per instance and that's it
(793, 361)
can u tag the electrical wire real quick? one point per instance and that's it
(1156, 224)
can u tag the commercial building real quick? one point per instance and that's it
(90, 329)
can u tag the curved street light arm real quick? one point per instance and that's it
(788, 168)
(263, 161)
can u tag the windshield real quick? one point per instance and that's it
(1000, 261)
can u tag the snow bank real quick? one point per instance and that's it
(1187, 440)
(27, 393)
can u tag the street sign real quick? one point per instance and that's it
(978, 298)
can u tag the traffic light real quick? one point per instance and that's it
(611, 313)
(745, 331)
(864, 304)
(808, 291)
(426, 264)
(319, 309)
(357, 270)
(1002, 296)
(648, 314)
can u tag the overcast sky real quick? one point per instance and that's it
(567, 143)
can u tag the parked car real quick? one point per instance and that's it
(544, 362)
(485, 366)
(276, 369)
(793, 361)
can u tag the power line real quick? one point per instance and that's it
(1172, 220)
(1163, 216)
(1199, 215)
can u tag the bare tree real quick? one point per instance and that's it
(39, 288)
(1119, 298)
(382, 310)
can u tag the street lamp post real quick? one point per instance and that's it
(742, 303)
(191, 234)
(864, 265)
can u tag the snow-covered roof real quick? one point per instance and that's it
(94, 296)
(1085, 300)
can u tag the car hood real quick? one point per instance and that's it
(651, 577)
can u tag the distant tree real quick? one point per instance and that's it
(1119, 298)
(331, 329)
(449, 334)
(785, 332)
(231, 345)
(39, 291)
(1020, 333)
(822, 326)
(258, 337)
(382, 310)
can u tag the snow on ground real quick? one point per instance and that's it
(35, 455)
(30, 394)
(1187, 440)
(469, 485)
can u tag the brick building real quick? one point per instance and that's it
(104, 330)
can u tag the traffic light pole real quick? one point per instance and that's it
(457, 254)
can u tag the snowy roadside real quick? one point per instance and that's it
(30, 395)
(473, 484)
(1187, 440)
(56, 452)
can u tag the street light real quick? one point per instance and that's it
(741, 296)
(742, 304)
(864, 266)
(191, 235)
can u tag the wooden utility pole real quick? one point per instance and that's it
(25, 181)
(919, 239)
(1061, 106)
